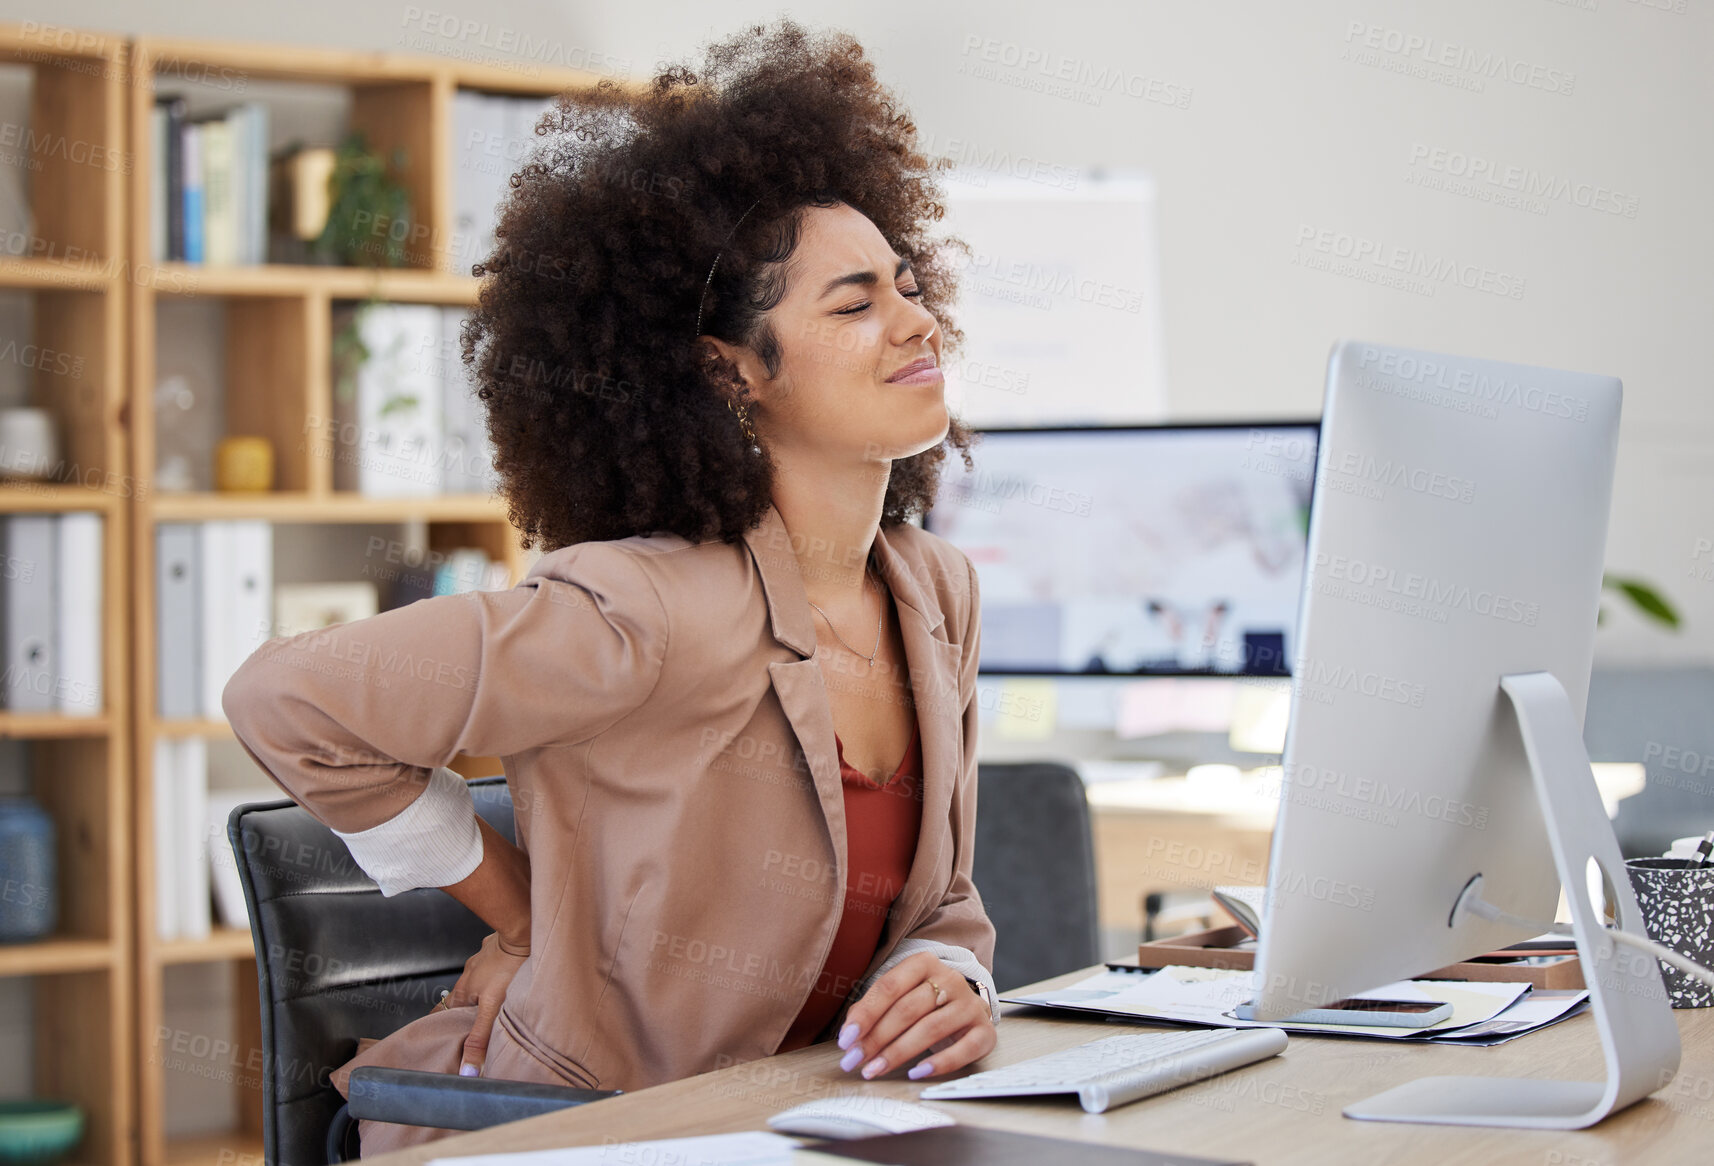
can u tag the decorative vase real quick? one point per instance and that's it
(29, 889)
(29, 447)
(244, 464)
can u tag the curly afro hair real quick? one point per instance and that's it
(607, 416)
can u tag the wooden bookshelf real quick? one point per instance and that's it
(279, 348)
(74, 271)
(223, 943)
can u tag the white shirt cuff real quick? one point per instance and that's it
(433, 842)
(960, 959)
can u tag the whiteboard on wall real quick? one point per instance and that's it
(1058, 300)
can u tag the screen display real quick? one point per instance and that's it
(1134, 550)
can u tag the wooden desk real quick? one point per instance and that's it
(1280, 1112)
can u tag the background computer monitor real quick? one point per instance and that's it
(1135, 550)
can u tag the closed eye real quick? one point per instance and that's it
(855, 308)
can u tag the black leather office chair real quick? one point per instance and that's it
(335, 961)
(1035, 870)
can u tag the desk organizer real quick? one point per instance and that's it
(1218, 948)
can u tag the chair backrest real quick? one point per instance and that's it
(336, 960)
(1035, 870)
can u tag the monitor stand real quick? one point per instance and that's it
(1639, 1036)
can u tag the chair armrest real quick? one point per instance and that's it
(412, 1097)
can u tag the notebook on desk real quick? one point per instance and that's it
(978, 1146)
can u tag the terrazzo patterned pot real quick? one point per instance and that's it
(1677, 901)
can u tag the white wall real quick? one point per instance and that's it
(1280, 132)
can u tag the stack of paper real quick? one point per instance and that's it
(1206, 996)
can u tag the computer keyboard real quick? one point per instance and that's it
(1119, 1069)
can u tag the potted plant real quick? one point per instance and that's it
(369, 214)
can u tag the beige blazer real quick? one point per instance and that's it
(668, 742)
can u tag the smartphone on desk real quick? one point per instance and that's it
(1362, 1010)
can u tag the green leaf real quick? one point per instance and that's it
(1646, 599)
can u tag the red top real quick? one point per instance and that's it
(881, 827)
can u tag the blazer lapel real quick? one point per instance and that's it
(798, 684)
(932, 663)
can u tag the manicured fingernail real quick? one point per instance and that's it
(920, 1071)
(874, 1068)
(847, 1035)
(851, 1060)
(467, 1070)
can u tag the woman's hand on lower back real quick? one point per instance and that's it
(486, 976)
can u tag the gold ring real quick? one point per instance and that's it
(939, 993)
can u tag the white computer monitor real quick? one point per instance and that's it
(1445, 635)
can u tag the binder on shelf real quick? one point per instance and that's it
(492, 134)
(160, 125)
(238, 120)
(178, 620)
(468, 453)
(219, 238)
(237, 597)
(249, 128)
(190, 171)
(30, 597)
(190, 858)
(214, 559)
(258, 182)
(238, 124)
(169, 165)
(79, 691)
(480, 171)
(164, 817)
(253, 595)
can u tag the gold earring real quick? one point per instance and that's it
(743, 415)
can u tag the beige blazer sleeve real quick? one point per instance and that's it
(357, 722)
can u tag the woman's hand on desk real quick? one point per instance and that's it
(486, 976)
(897, 1020)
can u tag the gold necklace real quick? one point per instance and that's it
(879, 623)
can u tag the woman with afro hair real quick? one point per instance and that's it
(734, 697)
